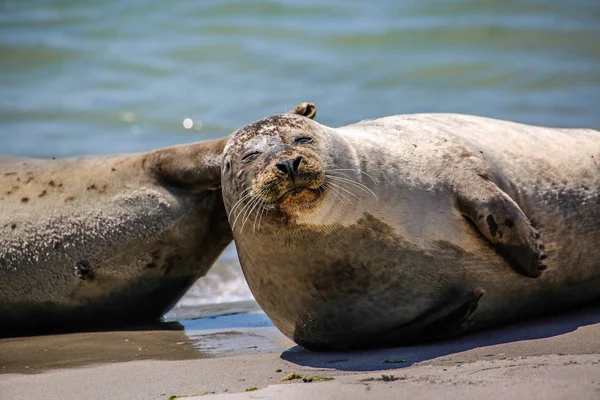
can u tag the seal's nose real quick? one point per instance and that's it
(289, 167)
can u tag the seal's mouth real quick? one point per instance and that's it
(299, 195)
(294, 192)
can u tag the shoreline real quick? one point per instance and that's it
(548, 358)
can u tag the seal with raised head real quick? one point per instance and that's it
(108, 240)
(390, 231)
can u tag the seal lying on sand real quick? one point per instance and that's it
(108, 240)
(391, 230)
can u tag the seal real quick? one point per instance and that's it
(108, 240)
(390, 231)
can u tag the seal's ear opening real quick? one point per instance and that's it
(308, 110)
(195, 166)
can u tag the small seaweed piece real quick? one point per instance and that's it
(394, 361)
(291, 377)
(252, 389)
(317, 378)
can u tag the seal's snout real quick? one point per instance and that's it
(290, 178)
(288, 167)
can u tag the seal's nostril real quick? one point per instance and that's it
(296, 164)
(282, 167)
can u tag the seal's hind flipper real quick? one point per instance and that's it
(503, 223)
(447, 321)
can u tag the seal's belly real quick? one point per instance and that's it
(354, 282)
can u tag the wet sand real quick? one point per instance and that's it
(553, 358)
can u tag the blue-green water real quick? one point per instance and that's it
(112, 76)
(121, 75)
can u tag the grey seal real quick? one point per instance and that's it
(412, 227)
(103, 241)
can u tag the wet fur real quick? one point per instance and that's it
(392, 270)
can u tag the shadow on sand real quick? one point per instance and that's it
(401, 357)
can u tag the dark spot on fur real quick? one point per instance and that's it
(144, 162)
(24, 199)
(493, 227)
(70, 198)
(169, 264)
(29, 180)
(51, 183)
(9, 173)
(60, 185)
(509, 223)
(415, 145)
(42, 194)
(9, 193)
(91, 187)
(18, 179)
(150, 265)
(112, 169)
(83, 270)
(13, 226)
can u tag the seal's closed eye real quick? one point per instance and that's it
(251, 156)
(303, 140)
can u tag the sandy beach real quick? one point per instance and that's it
(244, 357)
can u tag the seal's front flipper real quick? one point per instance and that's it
(195, 166)
(503, 223)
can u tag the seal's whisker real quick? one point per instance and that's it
(261, 208)
(246, 206)
(244, 197)
(248, 211)
(339, 194)
(265, 209)
(261, 214)
(339, 187)
(355, 170)
(353, 182)
(257, 201)
(337, 172)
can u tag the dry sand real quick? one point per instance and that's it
(553, 358)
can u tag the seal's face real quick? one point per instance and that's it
(275, 165)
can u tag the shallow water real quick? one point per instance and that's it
(121, 75)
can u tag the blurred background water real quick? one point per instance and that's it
(117, 76)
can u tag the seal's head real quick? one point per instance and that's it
(274, 164)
